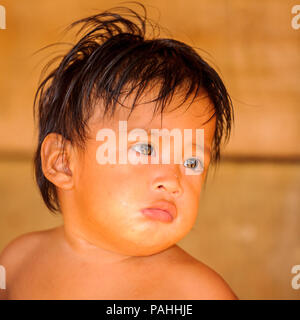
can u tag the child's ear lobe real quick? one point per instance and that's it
(57, 165)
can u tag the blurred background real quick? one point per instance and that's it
(248, 228)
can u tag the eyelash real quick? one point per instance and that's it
(151, 148)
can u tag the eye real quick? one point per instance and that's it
(192, 163)
(144, 148)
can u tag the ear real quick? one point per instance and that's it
(58, 164)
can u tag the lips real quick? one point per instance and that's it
(163, 210)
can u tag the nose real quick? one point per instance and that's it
(168, 182)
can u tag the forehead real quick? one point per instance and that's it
(191, 114)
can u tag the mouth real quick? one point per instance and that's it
(163, 210)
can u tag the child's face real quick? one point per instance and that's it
(105, 202)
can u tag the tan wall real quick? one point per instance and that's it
(248, 225)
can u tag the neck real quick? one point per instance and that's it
(78, 243)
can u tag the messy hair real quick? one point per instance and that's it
(114, 56)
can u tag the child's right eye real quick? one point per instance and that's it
(144, 148)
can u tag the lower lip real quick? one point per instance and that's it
(157, 214)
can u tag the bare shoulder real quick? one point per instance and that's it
(19, 251)
(197, 281)
(22, 245)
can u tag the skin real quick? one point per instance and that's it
(107, 249)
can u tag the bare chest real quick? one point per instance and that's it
(86, 282)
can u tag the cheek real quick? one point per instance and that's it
(109, 191)
(191, 198)
(190, 203)
(195, 183)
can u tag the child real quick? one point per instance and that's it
(122, 220)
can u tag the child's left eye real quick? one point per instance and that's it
(192, 163)
(144, 148)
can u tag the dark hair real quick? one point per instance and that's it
(114, 54)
